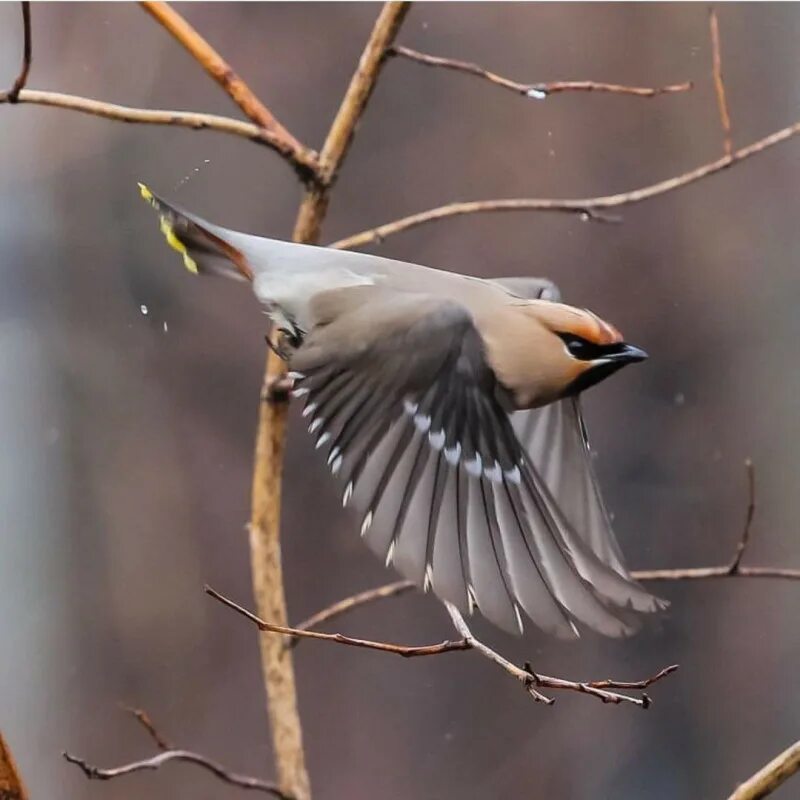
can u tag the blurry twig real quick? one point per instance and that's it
(11, 786)
(534, 90)
(585, 205)
(143, 718)
(13, 94)
(719, 83)
(771, 776)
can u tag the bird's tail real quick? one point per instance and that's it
(206, 248)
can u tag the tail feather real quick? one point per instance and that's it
(205, 248)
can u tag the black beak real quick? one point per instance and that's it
(625, 353)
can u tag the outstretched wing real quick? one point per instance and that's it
(398, 391)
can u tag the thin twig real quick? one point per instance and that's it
(349, 603)
(143, 718)
(771, 776)
(406, 651)
(532, 680)
(186, 119)
(157, 761)
(748, 519)
(570, 206)
(212, 62)
(534, 90)
(719, 83)
(27, 54)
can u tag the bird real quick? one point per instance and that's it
(449, 408)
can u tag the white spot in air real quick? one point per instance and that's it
(315, 424)
(475, 465)
(514, 475)
(680, 399)
(322, 439)
(495, 473)
(166, 327)
(337, 464)
(309, 409)
(536, 94)
(437, 439)
(410, 406)
(389, 555)
(584, 217)
(206, 160)
(300, 391)
(423, 422)
(348, 493)
(366, 523)
(143, 308)
(452, 454)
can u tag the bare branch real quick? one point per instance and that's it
(11, 786)
(361, 85)
(734, 569)
(349, 603)
(406, 651)
(157, 761)
(27, 53)
(533, 681)
(719, 83)
(241, 94)
(586, 205)
(771, 776)
(186, 119)
(538, 91)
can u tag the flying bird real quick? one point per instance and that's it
(449, 408)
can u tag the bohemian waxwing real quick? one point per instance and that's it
(449, 408)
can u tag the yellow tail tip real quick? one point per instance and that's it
(146, 193)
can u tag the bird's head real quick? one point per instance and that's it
(585, 349)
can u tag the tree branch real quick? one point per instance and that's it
(719, 83)
(585, 205)
(538, 91)
(27, 53)
(349, 603)
(533, 681)
(771, 776)
(186, 119)
(169, 753)
(157, 761)
(406, 651)
(212, 62)
(11, 786)
(530, 679)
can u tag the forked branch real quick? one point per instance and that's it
(532, 681)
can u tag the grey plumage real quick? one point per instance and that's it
(444, 405)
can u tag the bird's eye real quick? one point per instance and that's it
(578, 347)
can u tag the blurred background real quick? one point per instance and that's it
(128, 396)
